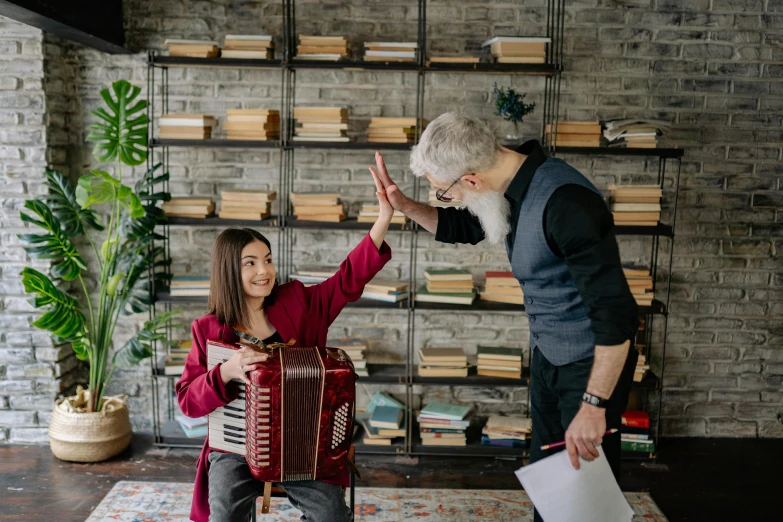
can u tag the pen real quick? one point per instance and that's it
(558, 444)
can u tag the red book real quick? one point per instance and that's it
(500, 275)
(636, 419)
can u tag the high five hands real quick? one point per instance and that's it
(393, 193)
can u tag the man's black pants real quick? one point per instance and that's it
(555, 399)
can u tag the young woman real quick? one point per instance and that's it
(243, 293)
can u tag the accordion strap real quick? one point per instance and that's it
(265, 500)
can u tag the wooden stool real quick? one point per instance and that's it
(280, 492)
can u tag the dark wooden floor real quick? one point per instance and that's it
(711, 480)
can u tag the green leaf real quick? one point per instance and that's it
(62, 317)
(132, 353)
(100, 187)
(55, 244)
(139, 347)
(61, 200)
(123, 132)
(111, 288)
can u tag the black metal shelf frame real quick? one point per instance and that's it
(284, 224)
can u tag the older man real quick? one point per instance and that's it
(559, 236)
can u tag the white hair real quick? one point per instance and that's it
(453, 145)
(493, 211)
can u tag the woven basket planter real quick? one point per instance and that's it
(89, 437)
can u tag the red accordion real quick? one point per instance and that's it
(294, 420)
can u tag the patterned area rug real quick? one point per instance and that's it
(170, 501)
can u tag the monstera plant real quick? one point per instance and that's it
(116, 224)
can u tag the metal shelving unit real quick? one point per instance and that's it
(167, 431)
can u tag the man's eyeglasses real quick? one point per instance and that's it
(442, 194)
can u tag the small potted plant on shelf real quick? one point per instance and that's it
(90, 426)
(511, 105)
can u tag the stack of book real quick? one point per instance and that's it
(635, 432)
(248, 46)
(502, 287)
(390, 51)
(447, 286)
(385, 290)
(506, 431)
(191, 206)
(497, 361)
(252, 124)
(192, 48)
(353, 348)
(575, 133)
(641, 285)
(433, 200)
(246, 204)
(636, 204)
(186, 126)
(312, 276)
(189, 286)
(634, 133)
(442, 424)
(393, 130)
(174, 362)
(321, 124)
(512, 49)
(443, 362)
(314, 206)
(383, 420)
(193, 428)
(641, 368)
(370, 211)
(324, 48)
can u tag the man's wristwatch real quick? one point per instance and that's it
(594, 400)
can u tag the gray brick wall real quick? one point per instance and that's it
(710, 67)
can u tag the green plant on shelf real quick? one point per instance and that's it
(511, 106)
(128, 260)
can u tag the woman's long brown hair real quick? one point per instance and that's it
(226, 295)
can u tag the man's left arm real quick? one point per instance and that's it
(580, 228)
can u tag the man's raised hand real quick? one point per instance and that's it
(393, 193)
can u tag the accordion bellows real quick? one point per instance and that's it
(294, 420)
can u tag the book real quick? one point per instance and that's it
(247, 54)
(448, 430)
(443, 442)
(425, 296)
(385, 285)
(195, 432)
(519, 39)
(384, 297)
(516, 368)
(442, 354)
(509, 423)
(486, 440)
(381, 399)
(653, 217)
(386, 417)
(502, 298)
(190, 422)
(645, 446)
(520, 59)
(499, 373)
(429, 371)
(453, 59)
(510, 353)
(443, 410)
(448, 275)
(172, 365)
(635, 419)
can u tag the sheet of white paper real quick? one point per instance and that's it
(563, 494)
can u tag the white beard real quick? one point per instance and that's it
(493, 211)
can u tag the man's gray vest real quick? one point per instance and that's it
(559, 325)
